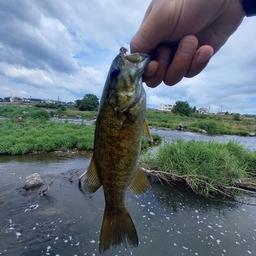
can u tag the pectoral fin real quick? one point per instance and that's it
(146, 131)
(92, 180)
(139, 183)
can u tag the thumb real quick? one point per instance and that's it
(149, 35)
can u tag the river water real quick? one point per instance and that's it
(66, 221)
(170, 135)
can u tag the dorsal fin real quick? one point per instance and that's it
(146, 131)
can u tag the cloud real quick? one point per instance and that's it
(33, 77)
(51, 49)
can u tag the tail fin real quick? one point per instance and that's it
(117, 228)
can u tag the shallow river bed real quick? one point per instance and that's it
(66, 221)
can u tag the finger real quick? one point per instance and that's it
(162, 58)
(182, 60)
(200, 60)
(151, 69)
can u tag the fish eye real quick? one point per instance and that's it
(115, 71)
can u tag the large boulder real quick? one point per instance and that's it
(33, 180)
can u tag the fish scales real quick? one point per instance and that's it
(114, 165)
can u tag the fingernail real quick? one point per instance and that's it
(203, 57)
(187, 47)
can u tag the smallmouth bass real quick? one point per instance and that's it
(114, 165)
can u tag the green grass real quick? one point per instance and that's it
(39, 135)
(208, 168)
(15, 112)
(88, 115)
(213, 124)
(33, 135)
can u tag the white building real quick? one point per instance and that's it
(203, 111)
(166, 107)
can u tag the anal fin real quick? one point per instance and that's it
(139, 183)
(92, 180)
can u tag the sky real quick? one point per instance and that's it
(63, 50)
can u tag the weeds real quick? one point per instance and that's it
(213, 124)
(208, 168)
(37, 135)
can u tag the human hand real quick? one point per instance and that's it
(200, 27)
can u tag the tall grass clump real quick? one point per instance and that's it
(208, 168)
(15, 112)
(212, 127)
(37, 135)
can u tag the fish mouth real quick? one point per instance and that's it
(137, 60)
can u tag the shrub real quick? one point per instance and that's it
(211, 127)
(38, 113)
(207, 167)
(237, 117)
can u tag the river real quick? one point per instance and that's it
(66, 221)
(171, 135)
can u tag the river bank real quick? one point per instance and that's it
(229, 124)
(235, 163)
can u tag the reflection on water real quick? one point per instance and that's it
(65, 221)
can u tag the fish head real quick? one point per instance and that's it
(124, 82)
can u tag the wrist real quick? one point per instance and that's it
(249, 7)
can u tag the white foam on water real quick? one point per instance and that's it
(18, 234)
(32, 207)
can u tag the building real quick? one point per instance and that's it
(203, 111)
(17, 99)
(7, 99)
(166, 107)
(221, 113)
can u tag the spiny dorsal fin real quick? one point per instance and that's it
(139, 183)
(92, 181)
(146, 131)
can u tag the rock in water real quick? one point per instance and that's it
(33, 180)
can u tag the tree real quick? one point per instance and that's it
(182, 108)
(90, 102)
(77, 103)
